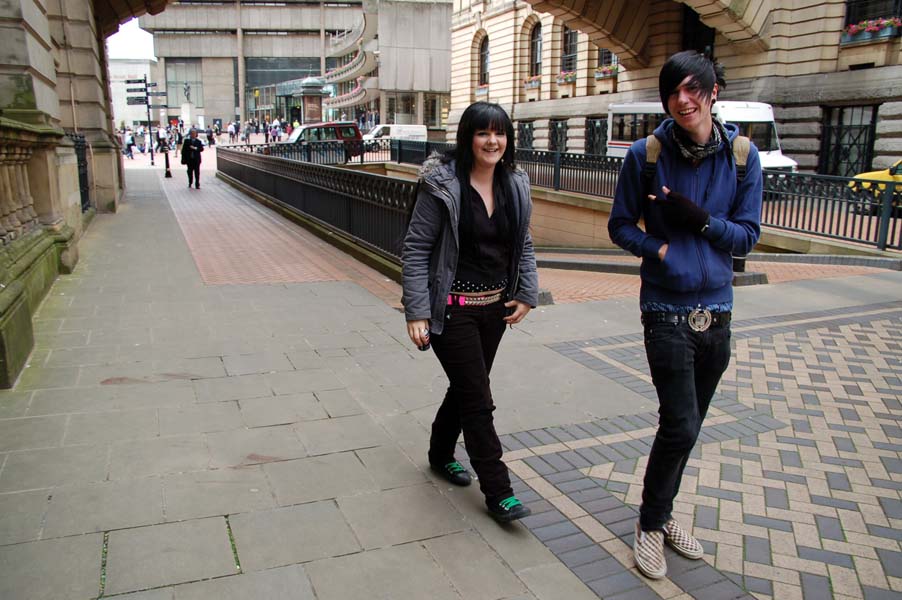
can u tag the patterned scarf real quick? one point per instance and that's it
(696, 152)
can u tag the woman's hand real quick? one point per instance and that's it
(418, 332)
(520, 311)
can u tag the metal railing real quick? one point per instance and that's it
(864, 211)
(372, 209)
(835, 207)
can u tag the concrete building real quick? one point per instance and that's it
(837, 92)
(247, 58)
(121, 70)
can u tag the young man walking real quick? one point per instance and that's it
(699, 210)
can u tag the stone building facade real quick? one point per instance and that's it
(59, 157)
(836, 92)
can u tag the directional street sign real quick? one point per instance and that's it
(159, 106)
(130, 90)
(151, 85)
(136, 100)
(142, 80)
(157, 93)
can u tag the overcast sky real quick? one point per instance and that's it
(130, 42)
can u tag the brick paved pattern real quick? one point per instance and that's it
(793, 489)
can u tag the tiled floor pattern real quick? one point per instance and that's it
(793, 489)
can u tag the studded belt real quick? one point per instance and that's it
(698, 320)
(457, 299)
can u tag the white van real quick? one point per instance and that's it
(632, 121)
(415, 133)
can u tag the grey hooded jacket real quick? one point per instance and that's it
(431, 247)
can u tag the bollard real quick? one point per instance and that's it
(168, 174)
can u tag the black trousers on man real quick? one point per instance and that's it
(466, 350)
(194, 174)
(686, 367)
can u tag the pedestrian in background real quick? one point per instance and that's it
(191, 150)
(473, 199)
(699, 210)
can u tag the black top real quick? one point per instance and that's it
(191, 149)
(485, 252)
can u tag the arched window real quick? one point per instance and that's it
(535, 50)
(484, 61)
(568, 57)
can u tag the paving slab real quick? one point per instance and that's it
(390, 467)
(281, 410)
(174, 454)
(219, 492)
(33, 469)
(22, 516)
(254, 446)
(31, 432)
(112, 426)
(318, 478)
(52, 569)
(474, 569)
(406, 571)
(148, 557)
(111, 397)
(292, 534)
(200, 418)
(340, 434)
(283, 583)
(103, 506)
(401, 515)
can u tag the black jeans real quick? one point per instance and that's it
(466, 349)
(194, 174)
(686, 367)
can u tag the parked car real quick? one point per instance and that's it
(326, 139)
(872, 206)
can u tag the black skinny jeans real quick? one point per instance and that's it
(466, 350)
(686, 367)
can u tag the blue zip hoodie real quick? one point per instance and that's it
(698, 267)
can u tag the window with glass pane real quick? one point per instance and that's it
(597, 135)
(524, 134)
(535, 50)
(184, 82)
(862, 10)
(558, 135)
(847, 140)
(606, 57)
(568, 57)
(484, 62)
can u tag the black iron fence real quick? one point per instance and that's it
(835, 207)
(81, 159)
(372, 209)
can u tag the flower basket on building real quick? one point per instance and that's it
(607, 71)
(532, 82)
(482, 90)
(567, 77)
(872, 30)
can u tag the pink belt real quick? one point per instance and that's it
(473, 300)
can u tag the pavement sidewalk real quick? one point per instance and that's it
(221, 406)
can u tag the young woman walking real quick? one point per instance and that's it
(469, 270)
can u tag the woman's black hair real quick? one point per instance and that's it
(689, 63)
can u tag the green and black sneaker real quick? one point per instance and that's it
(454, 472)
(509, 509)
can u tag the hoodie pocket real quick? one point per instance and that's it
(681, 269)
(719, 265)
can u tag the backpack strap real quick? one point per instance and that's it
(741, 147)
(652, 152)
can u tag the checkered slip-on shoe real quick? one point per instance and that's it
(648, 551)
(682, 541)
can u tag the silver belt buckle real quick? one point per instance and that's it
(700, 319)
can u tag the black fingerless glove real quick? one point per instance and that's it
(684, 213)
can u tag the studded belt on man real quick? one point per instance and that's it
(698, 320)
